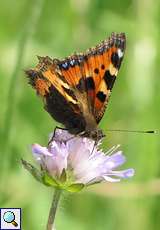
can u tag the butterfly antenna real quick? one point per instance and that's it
(133, 131)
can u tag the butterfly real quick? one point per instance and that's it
(76, 90)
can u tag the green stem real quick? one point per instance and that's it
(29, 27)
(53, 209)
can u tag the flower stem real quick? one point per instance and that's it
(53, 209)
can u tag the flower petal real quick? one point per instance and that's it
(121, 174)
(40, 150)
(110, 179)
(124, 173)
(115, 160)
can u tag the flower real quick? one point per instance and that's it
(72, 162)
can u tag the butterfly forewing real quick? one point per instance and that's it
(104, 62)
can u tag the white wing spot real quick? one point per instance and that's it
(120, 53)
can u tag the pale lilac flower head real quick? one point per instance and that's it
(81, 160)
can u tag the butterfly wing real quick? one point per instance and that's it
(59, 98)
(76, 90)
(101, 67)
(93, 74)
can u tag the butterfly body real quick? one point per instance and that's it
(76, 90)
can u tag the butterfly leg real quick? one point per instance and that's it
(95, 143)
(54, 133)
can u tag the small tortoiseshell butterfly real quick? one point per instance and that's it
(76, 90)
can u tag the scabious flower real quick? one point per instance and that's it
(72, 162)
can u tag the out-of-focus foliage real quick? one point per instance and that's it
(64, 27)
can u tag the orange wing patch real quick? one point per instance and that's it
(45, 76)
(70, 70)
(42, 87)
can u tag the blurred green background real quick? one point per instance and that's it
(57, 29)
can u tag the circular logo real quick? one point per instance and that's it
(9, 217)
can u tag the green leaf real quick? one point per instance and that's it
(97, 182)
(49, 181)
(32, 170)
(63, 176)
(75, 187)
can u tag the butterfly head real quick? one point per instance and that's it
(95, 135)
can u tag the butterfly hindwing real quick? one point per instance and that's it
(59, 99)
